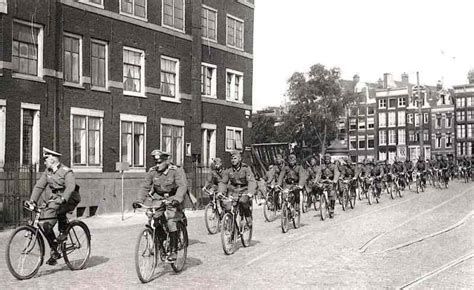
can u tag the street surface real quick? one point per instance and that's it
(391, 244)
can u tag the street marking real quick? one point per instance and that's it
(367, 245)
(436, 271)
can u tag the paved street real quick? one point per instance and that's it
(391, 244)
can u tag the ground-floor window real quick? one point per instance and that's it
(172, 136)
(86, 137)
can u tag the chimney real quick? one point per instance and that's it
(388, 81)
(470, 76)
(439, 85)
(380, 83)
(405, 80)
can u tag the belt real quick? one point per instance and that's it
(57, 191)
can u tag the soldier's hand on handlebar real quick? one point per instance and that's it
(175, 203)
(136, 204)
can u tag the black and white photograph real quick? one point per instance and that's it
(236, 144)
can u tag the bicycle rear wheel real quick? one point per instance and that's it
(284, 217)
(146, 255)
(178, 265)
(77, 247)
(211, 217)
(296, 216)
(345, 199)
(269, 210)
(25, 252)
(323, 207)
(370, 195)
(246, 236)
(228, 234)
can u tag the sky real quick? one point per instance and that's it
(365, 37)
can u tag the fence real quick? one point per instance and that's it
(197, 176)
(16, 183)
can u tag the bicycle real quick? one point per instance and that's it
(419, 184)
(212, 213)
(323, 198)
(396, 188)
(151, 248)
(271, 207)
(230, 228)
(290, 210)
(30, 242)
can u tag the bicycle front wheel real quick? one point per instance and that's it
(145, 255)
(178, 265)
(246, 236)
(211, 217)
(25, 252)
(228, 234)
(284, 217)
(269, 210)
(77, 247)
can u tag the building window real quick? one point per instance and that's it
(392, 103)
(370, 142)
(417, 119)
(442, 99)
(172, 132)
(361, 142)
(208, 80)
(2, 132)
(449, 121)
(426, 118)
(461, 102)
(30, 134)
(209, 23)
(438, 141)
(173, 14)
(27, 48)
(382, 137)
(352, 124)
(361, 124)
(411, 136)
(461, 131)
(235, 32)
(461, 115)
(234, 86)
(460, 148)
(401, 118)
(96, 3)
(132, 140)
(438, 122)
(469, 148)
(233, 138)
(426, 136)
(469, 101)
(470, 115)
(382, 104)
(99, 70)
(133, 72)
(402, 102)
(136, 8)
(353, 142)
(392, 137)
(72, 58)
(470, 130)
(392, 121)
(382, 120)
(449, 141)
(208, 143)
(86, 137)
(410, 118)
(370, 110)
(401, 137)
(370, 123)
(169, 77)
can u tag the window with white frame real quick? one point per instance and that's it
(233, 138)
(361, 142)
(72, 58)
(410, 118)
(353, 142)
(169, 77)
(392, 137)
(30, 134)
(449, 121)
(208, 80)
(392, 121)
(417, 119)
(426, 118)
(352, 124)
(370, 111)
(401, 118)
(461, 115)
(96, 3)
(382, 119)
(411, 136)
(402, 102)
(382, 104)
(235, 32)
(133, 139)
(461, 130)
(209, 23)
(172, 139)
(136, 8)
(401, 137)
(370, 123)
(383, 137)
(87, 131)
(3, 123)
(234, 86)
(173, 14)
(133, 71)
(438, 122)
(99, 65)
(392, 103)
(208, 143)
(470, 130)
(469, 101)
(438, 141)
(27, 48)
(461, 102)
(470, 115)
(370, 142)
(361, 124)
(449, 141)
(426, 136)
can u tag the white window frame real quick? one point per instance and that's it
(392, 137)
(81, 79)
(401, 118)
(177, 97)
(402, 102)
(213, 80)
(353, 139)
(96, 41)
(383, 141)
(178, 123)
(40, 73)
(361, 125)
(392, 122)
(226, 141)
(417, 119)
(227, 32)
(205, 127)
(438, 141)
(75, 111)
(88, 2)
(401, 137)
(3, 128)
(232, 91)
(35, 156)
(449, 122)
(370, 137)
(410, 118)
(184, 17)
(141, 93)
(370, 114)
(382, 104)
(361, 138)
(132, 15)
(134, 119)
(370, 123)
(215, 28)
(426, 118)
(382, 116)
(396, 102)
(449, 137)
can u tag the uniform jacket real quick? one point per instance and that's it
(214, 178)
(328, 171)
(171, 181)
(420, 165)
(238, 179)
(292, 175)
(377, 170)
(61, 182)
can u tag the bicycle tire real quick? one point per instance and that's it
(228, 233)
(182, 248)
(304, 201)
(74, 241)
(150, 251)
(35, 237)
(246, 236)
(323, 207)
(211, 218)
(296, 217)
(370, 195)
(315, 202)
(352, 199)
(269, 214)
(393, 187)
(284, 217)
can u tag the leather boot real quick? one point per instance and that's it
(173, 246)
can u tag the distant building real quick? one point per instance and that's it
(464, 121)
(442, 122)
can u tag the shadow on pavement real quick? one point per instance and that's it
(93, 261)
(193, 242)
